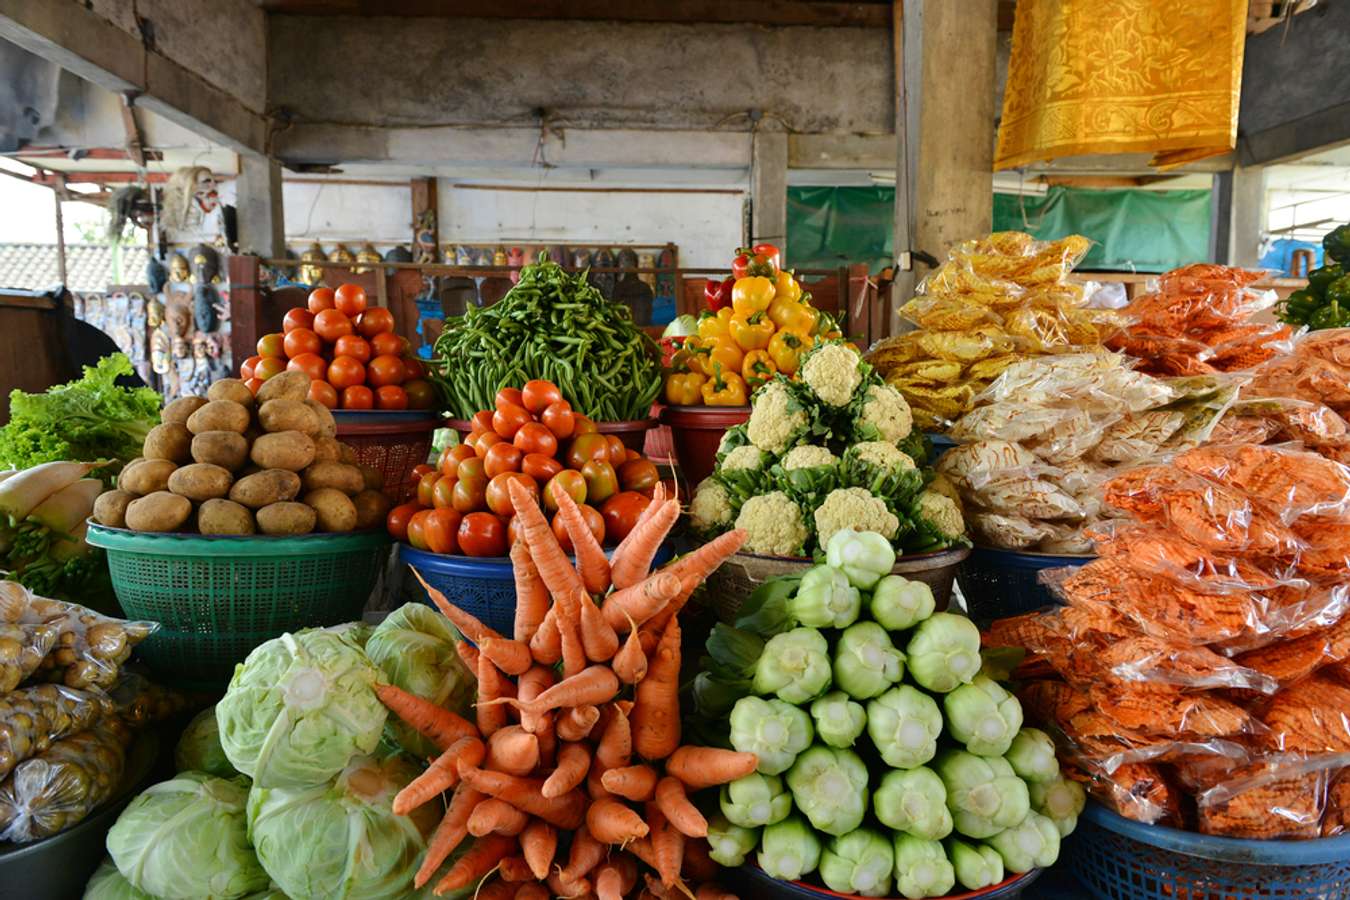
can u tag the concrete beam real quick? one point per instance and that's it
(1247, 216)
(768, 189)
(258, 201)
(841, 151)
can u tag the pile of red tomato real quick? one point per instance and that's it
(463, 503)
(350, 351)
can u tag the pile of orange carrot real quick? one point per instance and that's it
(573, 781)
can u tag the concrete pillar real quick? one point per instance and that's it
(1248, 216)
(258, 204)
(768, 189)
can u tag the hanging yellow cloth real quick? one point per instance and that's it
(1123, 76)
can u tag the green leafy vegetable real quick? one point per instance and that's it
(1031, 843)
(830, 786)
(866, 663)
(983, 716)
(839, 720)
(1032, 756)
(904, 724)
(913, 801)
(863, 556)
(859, 862)
(755, 800)
(795, 665)
(825, 599)
(983, 793)
(729, 843)
(921, 868)
(1059, 800)
(977, 865)
(789, 849)
(772, 730)
(899, 604)
(199, 747)
(944, 652)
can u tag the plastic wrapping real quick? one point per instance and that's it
(1269, 798)
(1336, 819)
(1311, 716)
(1291, 482)
(1007, 532)
(1139, 791)
(140, 701)
(975, 465)
(60, 786)
(31, 718)
(14, 599)
(1152, 661)
(90, 647)
(22, 650)
(1163, 710)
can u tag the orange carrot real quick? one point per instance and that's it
(492, 686)
(630, 663)
(567, 890)
(597, 636)
(436, 723)
(531, 685)
(553, 565)
(468, 624)
(468, 654)
(658, 498)
(641, 601)
(674, 804)
(592, 566)
(701, 767)
(616, 741)
(574, 760)
(698, 863)
(546, 645)
(656, 714)
(514, 870)
(532, 600)
(585, 855)
(525, 794)
(539, 843)
(441, 775)
(636, 783)
(532, 890)
(592, 686)
(568, 620)
(693, 567)
(493, 816)
(710, 891)
(668, 845)
(548, 743)
(642, 849)
(616, 877)
(497, 889)
(633, 560)
(611, 822)
(450, 833)
(577, 722)
(512, 750)
(512, 657)
(475, 864)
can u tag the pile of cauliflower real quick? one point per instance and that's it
(833, 449)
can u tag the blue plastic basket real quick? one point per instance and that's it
(1117, 859)
(940, 444)
(1002, 583)
(483, 586)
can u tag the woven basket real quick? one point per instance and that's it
(392, 443)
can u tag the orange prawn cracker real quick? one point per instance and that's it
(1266, 799)
(1297, 483)
(1138, 791)
(1165, 711)
(1310, 716)
(1150, 660)
(1336, 819)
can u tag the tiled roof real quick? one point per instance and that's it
(89, 267)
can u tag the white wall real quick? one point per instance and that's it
(351, 213)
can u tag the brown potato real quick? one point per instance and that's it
(159, 511)
(374, 477)
(221, 448)
(333, 509)
(291, 450)
(347, 453)
(172, 441)
(333, 475)
(326, 449)
(231, 389)
(179, 410)
(201, 481)
(265, 487)
(219, 415)
(146, 476)
(224, 517)
(327, 424)
(288, 415)
(371, 508)
(111, 508)
(286, 518)
(285, 386)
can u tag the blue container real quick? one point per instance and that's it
(751, 881)
(482, 586)
(940, 444)
(1117, 859)
(1001, 583)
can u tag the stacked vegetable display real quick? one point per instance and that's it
(878, 766)
(832, 449)
(555, 326)
(757, 323)
(1325, 302)
(533, 438)
(349, 351)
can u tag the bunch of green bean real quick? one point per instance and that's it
(557, 326)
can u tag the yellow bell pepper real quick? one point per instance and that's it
(792, 314)
(757, 369)
(751, 332)
(786, 287)
(716, 324)
(684, 388)
(691, 356)
(751, 295)
(725, 388)
(787, 347)
(721, 351)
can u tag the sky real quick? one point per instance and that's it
(29, 214)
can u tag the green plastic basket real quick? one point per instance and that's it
(216, 598)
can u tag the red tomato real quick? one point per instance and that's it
(272, 345)
(630, 454)
(253, 384)
(442, 491)
(417, 525)
(358, 396)
(320, 299)
(586, 447)
(486, 441)
(247, 366)
(421, 469)
(511, 532)
(391, 396)
(331, 325)
(638, 475)
(499, 492)
(426, 486)
(482, 420)
(421, 395)
(311, 364)
(299, 341)
(472, 469)
(385, 370)
(269, 366)
(482, 534)
(469, 495)
(501, 458)
(344, 372)
(594, 522)
(538, 395)
(540, 467)
(621, 513)
(583, 425)
(441, 530)
(376, 320)
(413, 368)
(567, 481)
(297, 318)
(353, 345)
(446, 463)
(386, 343)
(397, 520)
(618, 453)
(322, 392)
(558, 418)
(509, 418)
(462, 452)
(509, 395)
(536, 438)
(350, 300)
(601, 482)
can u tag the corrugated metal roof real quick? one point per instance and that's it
(89, 267)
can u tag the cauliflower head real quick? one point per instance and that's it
(883, 454)
(773, 524)
(747, 457)
(833, 372)
(882, 415)
(807, 456)
(942, 514)
(855, 508)
(776, 418)
(711, 508)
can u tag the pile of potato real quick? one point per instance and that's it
(232, 463)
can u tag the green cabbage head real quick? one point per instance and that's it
(199, 747)
(108, 884)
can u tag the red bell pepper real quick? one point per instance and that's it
(717, 294)
(761, 259)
